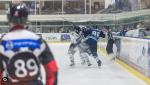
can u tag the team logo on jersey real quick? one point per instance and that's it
(9, 45)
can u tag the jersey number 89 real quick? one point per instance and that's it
(22, 68)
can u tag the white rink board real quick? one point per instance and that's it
(135, 52)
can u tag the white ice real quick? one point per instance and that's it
(109, 74)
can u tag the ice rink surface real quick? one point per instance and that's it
(109, 74)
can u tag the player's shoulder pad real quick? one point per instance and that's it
(23, 34)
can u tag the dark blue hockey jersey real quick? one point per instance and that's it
(94, 34)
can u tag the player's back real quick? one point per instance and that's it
(20, 51)
(95, 34)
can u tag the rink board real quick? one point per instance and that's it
(136, 53)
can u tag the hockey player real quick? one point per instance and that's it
(84, 58)
(110, 42)
(22, 52)
(89, 45)
(76, 37)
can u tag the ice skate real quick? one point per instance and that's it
(99, 63)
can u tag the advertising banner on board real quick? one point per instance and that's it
(135, 53)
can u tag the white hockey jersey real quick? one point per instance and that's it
(75, 37)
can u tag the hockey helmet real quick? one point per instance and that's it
(82, 27)
(77, 29)
(18, 14)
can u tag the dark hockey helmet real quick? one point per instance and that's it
(18, 14)
(77, 29)
(83, 28)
